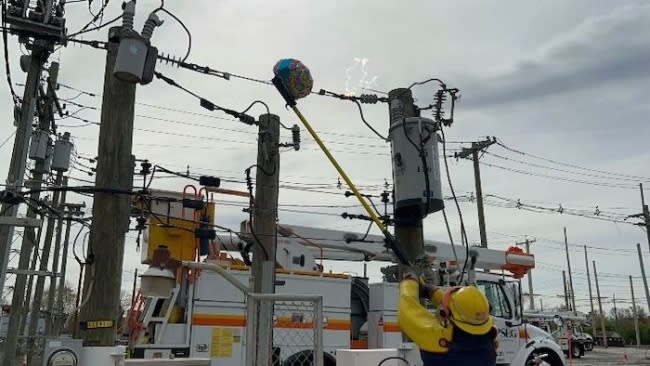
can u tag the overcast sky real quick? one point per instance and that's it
(567, 81)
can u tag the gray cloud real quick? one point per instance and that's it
(600, 53)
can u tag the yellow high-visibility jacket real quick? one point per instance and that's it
(429, 331)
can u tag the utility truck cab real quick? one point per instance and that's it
(566, 329)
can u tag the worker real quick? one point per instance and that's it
(460, 333)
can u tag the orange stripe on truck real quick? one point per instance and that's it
(392, 327)
(228, 320)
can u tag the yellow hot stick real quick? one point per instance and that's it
(345, 177)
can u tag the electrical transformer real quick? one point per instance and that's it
(416, 168)
(62, 151)
(38, 148)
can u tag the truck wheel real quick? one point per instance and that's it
(552, 358)
(575, 350)
(589, 346)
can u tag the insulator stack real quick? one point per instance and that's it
(439, 101)
(170, 59)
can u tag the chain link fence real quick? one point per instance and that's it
(296, 326)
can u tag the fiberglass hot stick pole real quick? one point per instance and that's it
(400, 255)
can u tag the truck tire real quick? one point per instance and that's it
(576, 352)
(589, 346)
(553, 359)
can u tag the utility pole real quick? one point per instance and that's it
(645, 279)
(474, 151)
(636, 315)
(72, 210)
(408, 229)
(35, 313)
(29, 242)
(568, 263)
(566, 293)
(30, 280)
(615, 313)
(16, 174)
(531, 296)
(102, 283)
(600, 307)
(264, 228)
(591, 297)
(646, 214)
(49, 321)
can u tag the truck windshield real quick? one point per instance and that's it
(499, 304)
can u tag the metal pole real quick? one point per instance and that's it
(16, 174)
(102, 284)
(645, 279)
(636, 315)
(531, 297)
(600, 307)
(28, 242)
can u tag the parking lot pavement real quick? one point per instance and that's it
(614, 356)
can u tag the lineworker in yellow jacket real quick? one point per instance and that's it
(461, 333)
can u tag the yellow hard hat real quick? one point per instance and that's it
(470, 310)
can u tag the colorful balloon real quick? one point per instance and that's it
(295, 77)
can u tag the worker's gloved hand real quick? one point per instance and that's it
(427, 290)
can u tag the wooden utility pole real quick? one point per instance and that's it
(600, 306)
(635, 314)
(615, 313)
(264, 228)
(102, 284)
(645, 280)
(408, 231)
(474, 151)
(591, 296)
(566, 292)
(49, 321)
(16, 174)
(646, 215)
(72, 210)
(35, 313)
(568, 263)
(28, 242)
(30, 280)
(531, 296)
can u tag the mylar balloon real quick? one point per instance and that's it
(295, 77)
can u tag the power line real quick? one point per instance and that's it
(500, 143)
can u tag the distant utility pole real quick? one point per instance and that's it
(73, 209)
(264, 227)
(645, 279)
(566, 292)
(531, 296)
(110, 222)
(646, 215)
(49, 321)
(474, 151)
(408, 231)
(615, 313)
(591, 296)
(600, 306)
(28, 242)
(635, 314)
(568, 263)
(16, 174)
